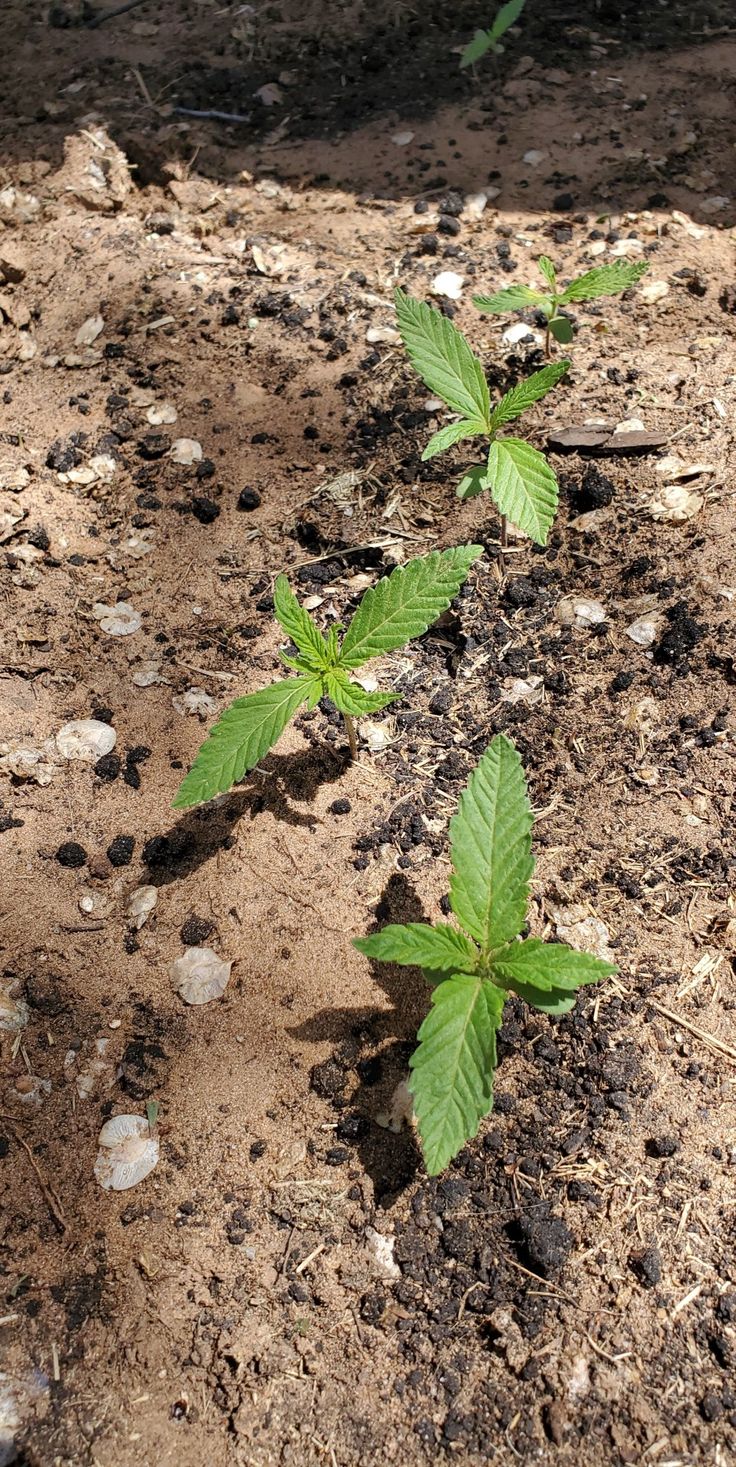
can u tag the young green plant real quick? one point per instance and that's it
(398, 608)
(521, 482)
(484, 41)
(593, 286)
(475, 966)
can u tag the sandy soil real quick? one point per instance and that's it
(287, 1286)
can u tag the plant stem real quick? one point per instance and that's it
(350, 731)
(546, 342)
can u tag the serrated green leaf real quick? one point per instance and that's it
(555, 1002)
(505, 18)
(547, 269)
(604, 280)
(350, 698)
(476, 48)
(404, 604)
(453, 433)
(526, 393)
(441, 949)
(298, 625)
(513, 298)
(243, 734)
(491, 848)
(561, 329)
(442, 357)
(453, 1066)
(547, 965)
(523, 486)
(473, 482)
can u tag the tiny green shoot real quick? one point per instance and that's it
(522, 484)
(592, 286)
(484, 41)
(474, 966)
(398, 608)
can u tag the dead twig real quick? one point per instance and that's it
(709, 1039)
(51, 1197)
(110, 14)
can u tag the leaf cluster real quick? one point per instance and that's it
(398, 608)
(521, 482)
(473, 967)
(484, 41)
(602, 281)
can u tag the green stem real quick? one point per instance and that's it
(546, 343)
(504, 542)
(352, 738)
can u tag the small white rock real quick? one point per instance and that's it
(128, 1153)
(643, 631)
(120, 620)
(89, 331)
(449, 284)
(579, 612)
(523, 690)
(195, 700)
(161, 412)
(146, 674)
(199, 975)
(185, 451)
(13, 1011)
(516, 333)
(475, 204)
(387, 334)
(534, 157)
(402, 139)
(85, 739)
(382, 1247)
(141, 903)
(654, 290)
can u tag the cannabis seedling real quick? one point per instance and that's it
(399, 607)
(522, 484)
(594, 285)
(473, 968)
(484, 41)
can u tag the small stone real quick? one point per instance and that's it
(249, 499)
(205, 510)
(340, 807)
(71, 854)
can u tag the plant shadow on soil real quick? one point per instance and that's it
(390, 1158)
(279, 780)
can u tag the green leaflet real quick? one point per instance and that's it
(441, 949)
(512, 298)
(453, 433)
(350, 698)
(443, 359)
(453, 1066)
(243, 734)
(523, 486)
(404, 604)
(491, 848)
(553, 1001)
(603, 280)
(473, 482)
(506, 17)
(476, 48)
(547, 966)
(526, 393)
(547, 269)
(561, 329)
(298, 625)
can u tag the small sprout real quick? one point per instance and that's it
(473, 967)
(521, 482)
(398, 608)
(594, 285)
(86, 739)
(484, 41)
(128, 1152)
(199, 975)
